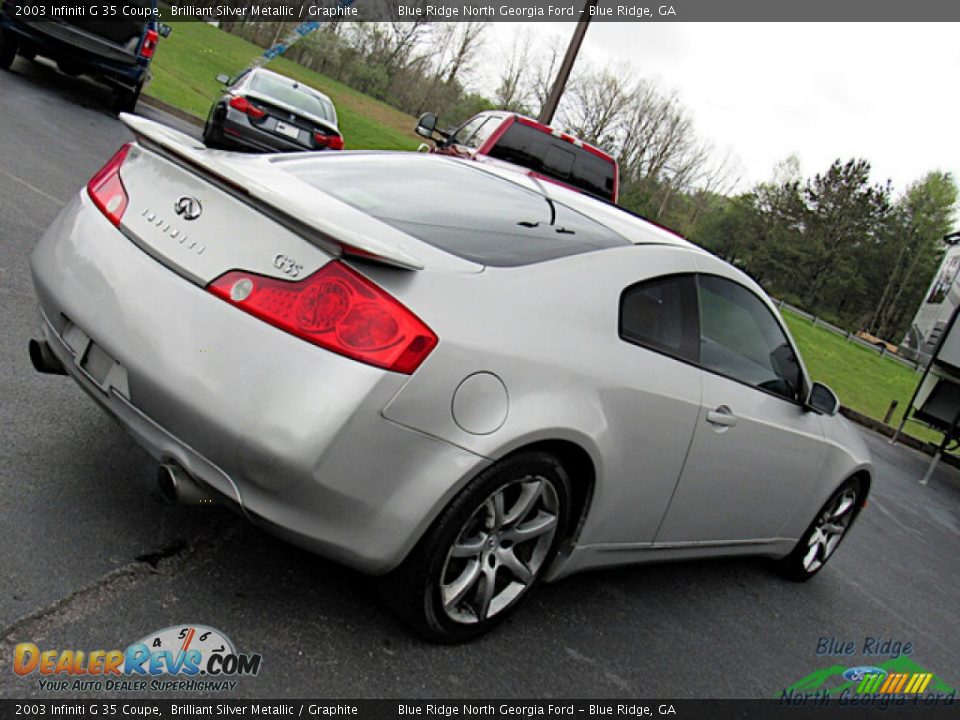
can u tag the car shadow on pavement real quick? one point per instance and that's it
(81, 90)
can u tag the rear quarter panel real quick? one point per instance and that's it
(550, 333)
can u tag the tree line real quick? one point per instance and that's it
(836, 244)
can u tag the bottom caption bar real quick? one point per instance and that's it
(374, 709)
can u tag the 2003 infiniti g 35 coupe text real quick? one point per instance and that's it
(461, 380)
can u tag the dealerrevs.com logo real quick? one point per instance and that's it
(180, 658)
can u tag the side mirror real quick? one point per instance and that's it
(426, 125)
(164, 30)
(823, 400)
(223, 79)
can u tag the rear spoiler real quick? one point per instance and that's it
(336, 237)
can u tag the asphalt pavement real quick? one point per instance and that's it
(91, 557)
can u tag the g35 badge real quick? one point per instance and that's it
(287, 265)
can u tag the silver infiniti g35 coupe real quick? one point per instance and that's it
(457, 378)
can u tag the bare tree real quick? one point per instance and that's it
(596, 105)
(544, 73)
(467, 40)
(512, 74)
(454, 48)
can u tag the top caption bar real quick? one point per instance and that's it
(489, 10)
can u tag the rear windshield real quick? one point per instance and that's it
(457, 208)
(295, 96)
(549, 155)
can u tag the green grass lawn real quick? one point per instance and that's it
(188, 62)
(862, 379)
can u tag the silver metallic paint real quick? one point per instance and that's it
(355, 462)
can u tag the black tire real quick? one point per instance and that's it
(211, 138)
(818, 543)
(68, 67)
(27, 52)
(525, 482)
(8, 49)
(126, 100)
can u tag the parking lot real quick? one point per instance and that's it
(91, 557)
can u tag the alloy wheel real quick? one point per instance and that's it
(500, 550)
(829, 530)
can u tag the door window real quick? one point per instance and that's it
(465, 134)
(741, 339)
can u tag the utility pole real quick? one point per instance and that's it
(550, 107)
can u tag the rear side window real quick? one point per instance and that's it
(456, 206)
(741, 339)
(549, 155)
(661, 314)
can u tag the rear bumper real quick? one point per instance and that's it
(61, 41)
(290, 433)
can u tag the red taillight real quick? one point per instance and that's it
(106, 189)
(330, 142)
(149, 44)
(245, 106)
(337, 309)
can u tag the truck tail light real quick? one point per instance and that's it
(337, 309)
(149, 45)
(106, 188)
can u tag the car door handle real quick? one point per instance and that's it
(722, 417)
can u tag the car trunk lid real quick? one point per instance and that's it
(205, 213)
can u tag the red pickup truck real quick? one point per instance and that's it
(530, 146)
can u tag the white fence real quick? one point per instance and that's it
(851, 337)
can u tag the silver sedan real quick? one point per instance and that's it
(461, 380)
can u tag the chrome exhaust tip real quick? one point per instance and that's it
(43, 359)
(178, 488)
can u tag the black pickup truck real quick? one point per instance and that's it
(117, 51)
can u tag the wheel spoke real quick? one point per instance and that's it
(833, 528)
(541, 524)
(815, 552)
(829, 545)
(458, 589)
(495, 511)
(471, 547)
(811, 556)
(529, 494)
(844, 505)
(489, 587)
(515, 565)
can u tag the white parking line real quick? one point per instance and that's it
(32, 187)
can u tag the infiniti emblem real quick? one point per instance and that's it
(189, 208)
